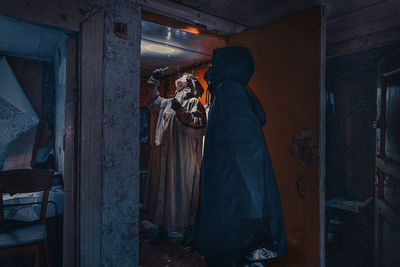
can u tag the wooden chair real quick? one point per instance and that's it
(17, 239)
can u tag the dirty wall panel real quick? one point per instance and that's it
(29, 75)
(48, 95)
(286, 81)
(121, 135)
(351, 82)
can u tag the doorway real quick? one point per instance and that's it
(387, 209)
(296, 87)
(359, 185)
(33, 78)
(184, 49)
(56, 52)
(292, 104)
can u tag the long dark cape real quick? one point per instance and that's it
(240, 209)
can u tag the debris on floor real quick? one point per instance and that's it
(169, 253)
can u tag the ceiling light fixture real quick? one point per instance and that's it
(191, 30)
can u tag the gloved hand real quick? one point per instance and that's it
(175, 105)
(191, 78)
(156, 75)
(191, 82)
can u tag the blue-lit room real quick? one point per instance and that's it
(218, 133)
(32, 96)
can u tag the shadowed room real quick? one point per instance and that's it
(182, 50)
(199, 133)
(33, 78)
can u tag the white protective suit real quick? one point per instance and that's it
(171, 194)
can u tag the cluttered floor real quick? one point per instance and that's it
(168, 253)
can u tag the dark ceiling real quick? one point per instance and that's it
(252, 13)
(345, 19)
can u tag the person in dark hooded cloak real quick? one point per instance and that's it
(239, 218)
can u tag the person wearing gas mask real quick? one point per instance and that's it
(171, 194)
(239, 220)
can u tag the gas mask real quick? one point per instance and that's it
(186, 80)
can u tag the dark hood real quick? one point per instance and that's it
(236, 63)
(232, 62)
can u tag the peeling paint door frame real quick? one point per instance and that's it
(70, 152)
(322, 142)
(89, 142)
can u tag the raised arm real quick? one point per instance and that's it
(155, 99)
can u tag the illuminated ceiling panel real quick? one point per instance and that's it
(163, 46)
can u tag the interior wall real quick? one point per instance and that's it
(121, 122)
(48, 94)
(16, 112)
(37, 80)
(351, 110)
(59, 60)
(286, 80)
(30, 76)
(29, 48)
(200, 77)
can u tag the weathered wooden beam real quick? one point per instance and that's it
(375, 17)
(91, 141)
(363, 29)
(338, 8)
(364, 15)
(70, 158)
(362, 43)
(66, 15)
(322, 140)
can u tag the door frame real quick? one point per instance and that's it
(55, 14)
(386, 165)
(322, 142)
(70, 154)
(68, 16)
(165, 18)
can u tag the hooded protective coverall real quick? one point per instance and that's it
(239, 215)
(171, 193)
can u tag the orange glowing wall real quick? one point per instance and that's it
(286, 80)
(200, 73)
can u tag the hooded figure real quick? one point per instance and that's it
(239, 218)
(171, 194)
